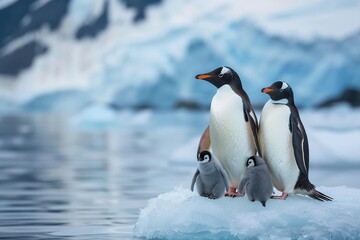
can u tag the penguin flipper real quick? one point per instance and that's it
(194, 179)
(204, 143)
(300, 144)
(225, 177)
(243, 183)
(250, 117)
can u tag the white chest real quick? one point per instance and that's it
(230, 134)
(276, 145)
(227, 114)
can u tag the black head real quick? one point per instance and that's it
(280, 91)
(204, 156)
(220, 76)
(251, 162)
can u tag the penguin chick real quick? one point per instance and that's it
(257, 181)
(211, 179)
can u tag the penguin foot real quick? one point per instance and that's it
(209, 196)
(282, 197)
(233, 193)
(212, 197)
(205, 195)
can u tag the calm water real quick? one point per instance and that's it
(60, 181)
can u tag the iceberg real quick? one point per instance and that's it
(182, 214)
(95, 116)
(155, 64)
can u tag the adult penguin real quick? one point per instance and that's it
(232, 130)
(284, 144)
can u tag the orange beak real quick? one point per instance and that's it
(203, 76)
(267, 90)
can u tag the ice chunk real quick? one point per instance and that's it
(182, 214)
(330, 147)
(97, 115)
(187, 152)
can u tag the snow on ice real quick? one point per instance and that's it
(182, 214)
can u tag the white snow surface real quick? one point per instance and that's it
(182, 214)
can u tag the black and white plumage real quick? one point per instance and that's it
(284, 143)
(257, 181)
(211, 179)
(232, 131)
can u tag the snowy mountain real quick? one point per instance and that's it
(62, 55)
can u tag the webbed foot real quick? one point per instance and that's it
(233, 193)
(282, 197)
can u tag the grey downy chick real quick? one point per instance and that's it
(257, 181)
(211, 179)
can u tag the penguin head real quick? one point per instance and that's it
(254, 161)
(219, 76)
(204, 157)
(279, 91)
(251, 162)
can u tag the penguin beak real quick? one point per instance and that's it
(267, 90)
(203, 76)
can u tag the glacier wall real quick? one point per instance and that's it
(108, 52)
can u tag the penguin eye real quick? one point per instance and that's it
(206, 158)
(250, 163)
(221, 75)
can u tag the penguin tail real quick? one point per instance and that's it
(304, 186)
(319, 195)
(263, 203)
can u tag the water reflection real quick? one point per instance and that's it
(61, 181)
